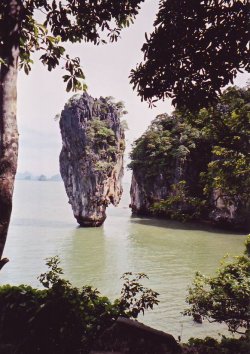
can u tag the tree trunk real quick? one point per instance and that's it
(9, 53)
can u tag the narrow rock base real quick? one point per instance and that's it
(88, 222)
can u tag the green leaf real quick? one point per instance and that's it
(69, 85)
(66, 77)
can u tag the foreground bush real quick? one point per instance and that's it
(224, 297)
(61, 318)
(212, 346)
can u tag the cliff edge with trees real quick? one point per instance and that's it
(191, 166)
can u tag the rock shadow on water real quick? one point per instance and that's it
(178, 225)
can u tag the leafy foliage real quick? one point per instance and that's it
(101, 132)
(210, 345)
(167, 137)
(179, 205)
(196, 48)
(135, 297)
(102, 144)
(227, 127)
(62, 318)
(225, 296)
(118, 106)
(45, 25)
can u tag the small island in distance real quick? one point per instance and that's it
(28, 176)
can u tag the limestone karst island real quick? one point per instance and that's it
(91, 160)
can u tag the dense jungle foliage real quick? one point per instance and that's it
(202, 157)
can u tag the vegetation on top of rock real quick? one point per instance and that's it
(118, 106)
(91, 159)
(102, 145)
(99, 134)
(225, 296)
(166, 138)
(201, 157)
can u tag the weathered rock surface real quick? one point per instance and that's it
(167, 162)
(228, 215)
(131, 337)
(163, 157)
(221, 213)
(91, 159)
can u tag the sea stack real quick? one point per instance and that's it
(91, 159)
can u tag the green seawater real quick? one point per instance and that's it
(169, 252)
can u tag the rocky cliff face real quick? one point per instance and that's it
(228, 215)
(157, 197)
(169, 190)
(176, 171)
(91, 159)
(161, 161)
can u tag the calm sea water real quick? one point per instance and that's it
(168, 252)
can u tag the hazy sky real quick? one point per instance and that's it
(42, 95)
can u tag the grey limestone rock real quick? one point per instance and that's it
(167, 163)
(91, 159)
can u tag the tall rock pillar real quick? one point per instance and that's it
(91, 159)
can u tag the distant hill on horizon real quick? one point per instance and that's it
(28, 176)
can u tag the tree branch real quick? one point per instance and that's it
(3, 261)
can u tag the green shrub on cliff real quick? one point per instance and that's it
(102, 144)
(61, 318)
(99, 133)
(104, 141)
(179, 205)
